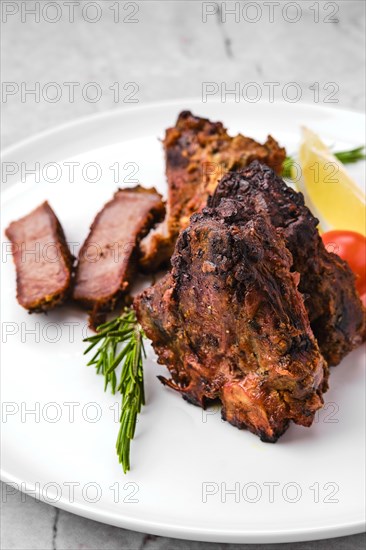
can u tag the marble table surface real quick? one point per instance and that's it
(162, 50)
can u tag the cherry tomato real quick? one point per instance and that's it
(350, 246)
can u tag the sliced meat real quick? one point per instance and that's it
(229, 323)
(108, 258)
(335, 310)
(198, 153)
(42, 259)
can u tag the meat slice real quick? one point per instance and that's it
(335, 310)
(198, 153)
(108, 258)
(42, 259)
(229, 323)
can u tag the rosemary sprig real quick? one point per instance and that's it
(110, 336)
(346, 157)
(354, 155)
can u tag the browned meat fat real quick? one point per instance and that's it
(108, 258)
(335, 310)
(42, 259)
(198, 153)
(229, 323)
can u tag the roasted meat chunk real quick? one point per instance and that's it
(198, 153)
(335, 310)
(42, 259)
(108, 258)
(230, 324)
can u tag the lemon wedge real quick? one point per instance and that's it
(328, 188)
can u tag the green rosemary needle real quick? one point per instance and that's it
(354, 155)
(346, 157)
(120, 342)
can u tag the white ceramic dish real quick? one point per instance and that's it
(192, 475)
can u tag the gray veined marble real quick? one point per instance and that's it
(161, 50)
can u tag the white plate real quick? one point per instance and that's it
(185, 463)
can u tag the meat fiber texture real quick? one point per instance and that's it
(108, 258)
(198, 153)
(42, 259)
(230, 324)
(327, 283)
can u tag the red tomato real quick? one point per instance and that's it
(350, 246)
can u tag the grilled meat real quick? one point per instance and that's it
(335, 310)
(42, 259)
(108, 258)
(229, 323)
(198, 153)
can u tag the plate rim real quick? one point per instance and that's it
(109, 113)
(194, 533)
